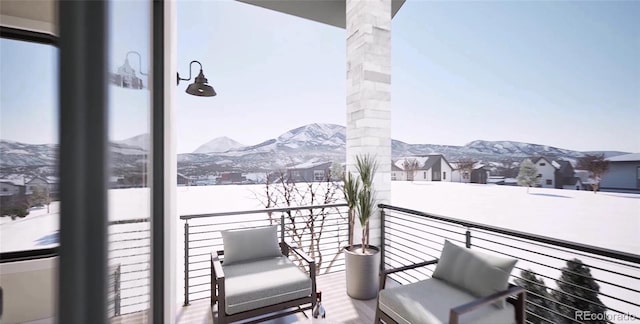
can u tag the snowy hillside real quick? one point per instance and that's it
(21, 154)
(325, 142)
(299, 145)
(219, 145)
(314, 135)
(518, 149)
(142, 141)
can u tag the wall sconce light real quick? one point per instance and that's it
(199, 87)
(126, 76)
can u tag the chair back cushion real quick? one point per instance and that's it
(478, 273)
(241, 245)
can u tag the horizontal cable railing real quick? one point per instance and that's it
(563, 279)
(321, 231)
(129, 264)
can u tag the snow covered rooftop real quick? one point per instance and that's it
(309, 164)
(15, 182)
(625, 158)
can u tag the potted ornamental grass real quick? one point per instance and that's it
(362, 261)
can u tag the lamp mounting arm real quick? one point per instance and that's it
(190, 64)
(139, 61)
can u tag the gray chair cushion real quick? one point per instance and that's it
(251, 285)
(478, 273)
(250, 244)
(429, 302)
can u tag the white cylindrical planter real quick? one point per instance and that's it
(363, 272)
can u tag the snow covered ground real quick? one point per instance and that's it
(36, 231)
(605, 219)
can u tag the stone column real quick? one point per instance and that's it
(369, 93)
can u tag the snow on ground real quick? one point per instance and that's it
(38, 230)
(605, 219)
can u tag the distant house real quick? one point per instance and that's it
(231, 178)
(397, 174)
(458, 175)
(557, 174)
(54, 184)
(623, 173)
(480, 174)
(565, 176)
(309, 172)
(546, 172)
(50, 183)
(10, 187)
(429, 168)
(12, 193)
(208, 180)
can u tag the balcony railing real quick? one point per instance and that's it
(321, 231)
(129, 264)
(410, 236)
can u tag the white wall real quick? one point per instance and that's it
(29, 290)
(446, 171)
(398, 175)
(548, 173)
(419, 175)
(621, 175)
(7, 189)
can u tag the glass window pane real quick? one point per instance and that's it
(28, 146)
(129, 142)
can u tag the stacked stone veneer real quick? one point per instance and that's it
(369, 93)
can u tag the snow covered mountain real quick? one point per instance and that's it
(328, 141)
(142, 141)
(314, 135)
(21, 154)
(218, 145)
(315, 142)
(42, 159)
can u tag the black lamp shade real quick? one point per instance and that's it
(200, 87)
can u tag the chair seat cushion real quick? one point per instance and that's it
(252, 285)
(429, 302)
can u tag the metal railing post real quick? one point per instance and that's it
(282, 228)
(116, 290)
(382, 242)
(186, 262)
(468, 238)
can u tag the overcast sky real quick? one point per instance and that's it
(565, 74)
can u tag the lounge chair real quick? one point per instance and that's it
(466, 287)
(255, 277)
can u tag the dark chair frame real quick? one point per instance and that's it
(274, 311)
(455, 313)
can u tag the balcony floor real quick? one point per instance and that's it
(340, 308)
